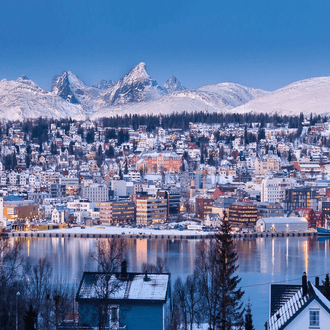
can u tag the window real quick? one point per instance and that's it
(314, 318)
(114, 313)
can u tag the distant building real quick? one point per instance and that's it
(173, 203)
(243, 214)
(273, 190)
(16, 208)
(298, 198)
(151, 210)
(96, 192)
(269, 210)
(203, 206)
(282, 224)
(314, 218)
(114, 212)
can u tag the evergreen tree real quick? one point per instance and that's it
(326, 284)
(229, 305)
(248, 324)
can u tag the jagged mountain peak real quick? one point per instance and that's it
(139, 72)
(23, 77)
(61, 87)
(173, 85)
(135, 86)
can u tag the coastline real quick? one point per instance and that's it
(144, 233)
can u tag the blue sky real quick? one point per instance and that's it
(258, 43)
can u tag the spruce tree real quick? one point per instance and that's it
(326, 284)
(229, 305)
(248, 324)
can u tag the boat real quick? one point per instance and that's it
(321, 231)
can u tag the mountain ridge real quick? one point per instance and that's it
(137, 92)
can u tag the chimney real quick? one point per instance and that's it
(146, 278)
(304, 284)
(124, 269)
(317, 281)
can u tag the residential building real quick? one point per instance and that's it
(137, 304)
(96, 192)
(298, 307)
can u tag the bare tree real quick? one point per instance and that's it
(11, 288)
(109, 256)
(56, 305)
(205, 270)
(158, 267)
(180, 303)
(38, 278)
(193, 299)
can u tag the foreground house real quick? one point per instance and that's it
(133, 301)
(298, 307)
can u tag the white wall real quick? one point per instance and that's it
(302, 320)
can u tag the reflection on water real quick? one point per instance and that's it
(262, 260)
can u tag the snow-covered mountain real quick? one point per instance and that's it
(22, 98)
(306, 96)
(73, 90)
(173, 85)
(135, 86)
(218, 98)
(138, 93)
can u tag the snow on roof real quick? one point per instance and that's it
(285, 220)
(290, 308)
(324, 300)
(134, 287)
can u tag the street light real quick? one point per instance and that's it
(17, 296)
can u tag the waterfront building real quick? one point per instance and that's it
(282, 224)
(243, 214)
(314, 218)
(151, 210)
(121, 211)
(16, 208)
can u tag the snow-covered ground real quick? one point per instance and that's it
(126, 231)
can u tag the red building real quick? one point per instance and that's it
(314, 218)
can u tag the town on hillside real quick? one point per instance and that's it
(268, 173)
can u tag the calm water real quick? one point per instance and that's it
(262, 261)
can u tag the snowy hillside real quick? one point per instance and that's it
(22, 98)
(310, 95)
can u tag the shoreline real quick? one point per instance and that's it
(115, 232)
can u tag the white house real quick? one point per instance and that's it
(306, 308)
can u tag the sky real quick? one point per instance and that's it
(257, 43)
